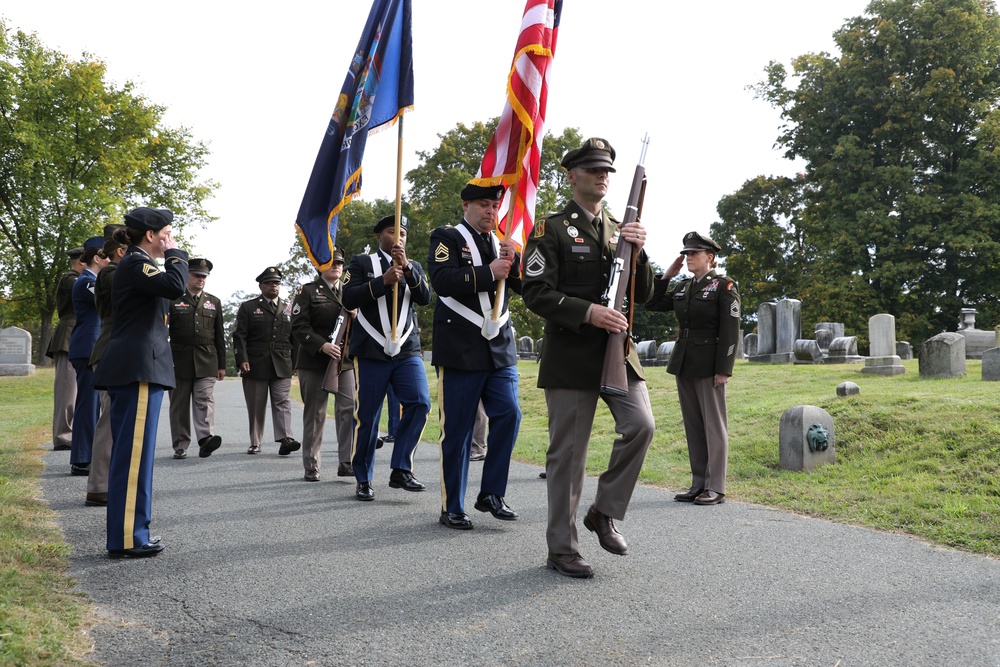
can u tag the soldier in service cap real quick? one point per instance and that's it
(317, 308)
(567, 265)
(198, 341)
(262, 345)
(64, 383)
(707, 306)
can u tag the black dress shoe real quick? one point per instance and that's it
(287, 446)
(570, 565)
(385, 440)
(61, 448)
(345, 470)
(496, 506)
(81, 470)
(458, 521)
(607, 534)
(145, 551)
(543, 475)
(689, 495)
(365, 491)
(208, 444)
(404, 479)
(96, 500)
(709, 498)
(253, 449)
(180, 454)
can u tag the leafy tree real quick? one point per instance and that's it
(77, 152)
(900, 199)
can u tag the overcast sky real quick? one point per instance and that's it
(259, 87)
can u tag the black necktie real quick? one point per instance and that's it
(489, 255)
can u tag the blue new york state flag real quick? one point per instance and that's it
(378, 90)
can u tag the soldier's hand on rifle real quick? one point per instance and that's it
(634, 233)
(674, 269)
(331, 350)
(608, 319)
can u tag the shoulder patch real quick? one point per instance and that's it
(539, 230)
(534, 266)
(150, 270)
(297, 309)
(441, 253)
(347, 277)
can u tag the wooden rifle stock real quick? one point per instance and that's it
(614, 374)
(331, 381)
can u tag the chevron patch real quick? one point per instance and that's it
(150, 270)
(535, 264)
(441, 253)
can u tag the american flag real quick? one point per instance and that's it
(515, 151)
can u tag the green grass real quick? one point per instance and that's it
(914, 456)
(41, 618)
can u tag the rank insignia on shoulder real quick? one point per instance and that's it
(150, 270)
(539, 230)
(347, 276)
(441, 253)
(297, 309)
(535, 265)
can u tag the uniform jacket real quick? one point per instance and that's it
(197, 336)
(139, 348)
(67, 316)
(102, 298)
(263, 337)
(458, 343)
(708, 313)
(314, 316)
(566, 269)
(366, 292)
(88, 322)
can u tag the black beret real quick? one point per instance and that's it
(109, 231)
(696, 241)
(93, 242)
(149, 219)
(594, 152)
(389, 221)
(73, 253)
(473, 191)
(270, 273)
(200, 266)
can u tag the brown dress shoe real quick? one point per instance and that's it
(345, 470)
(570, 565)
(709, 498)
(607, 534)
(96, 500)
(689, 495)
(311, 476)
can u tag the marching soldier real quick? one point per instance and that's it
(198, 343)
(567, 266)
(314, 317)
(380, 362)
(263, 348)
(475, 356)
(64, 385)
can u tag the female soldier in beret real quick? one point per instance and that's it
(708, 313)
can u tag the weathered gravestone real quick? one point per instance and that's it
(646, 350)
(976, 341)
(943, 356)
(806, 438)
(663, 353)
(750, 344)
(991, 365)
(844, 350)
(779, 325)
(823, 338)
(904, 350)
(525, 348)
(15, 352)
(836, 328)
(883, 359)
(808, 352)
(848, 389)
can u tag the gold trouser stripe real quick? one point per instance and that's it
(444, 488)
(357, 423)
(138, 436)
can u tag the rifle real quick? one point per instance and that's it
(614, 376)
(331, 381)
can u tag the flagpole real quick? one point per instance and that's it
(511, 211)
(399, 209)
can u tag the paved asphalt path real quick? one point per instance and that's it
(262, 568)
